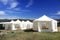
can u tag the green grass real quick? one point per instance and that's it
(19, 35)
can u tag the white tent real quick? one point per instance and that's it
(18, 24)
(6, 25)
(23, 25)
(45, 24)
(29, 25)
(12, 25)
(9, 25)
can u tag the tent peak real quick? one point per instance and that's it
(44, 15)
(12, 20)
(44, 18)
(18, 21)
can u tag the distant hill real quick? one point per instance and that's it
(8, 20)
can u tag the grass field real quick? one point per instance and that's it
(20, 35)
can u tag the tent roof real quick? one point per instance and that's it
(44, 18)
(12, 21)
(27, 21)
(18, 21)
(23, 21)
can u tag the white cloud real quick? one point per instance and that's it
(9, 17)
(2, 13)
(12, 17)
(58, 13)
(4, 1)
(13, 5)
(55, 17)
(29, 4)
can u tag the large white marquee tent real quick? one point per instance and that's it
(45, 24)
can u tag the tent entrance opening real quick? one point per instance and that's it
(2, 27)
(46, 25)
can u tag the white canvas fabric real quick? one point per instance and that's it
(12, 21)
(18, 22)
(13, 25)
(38, 24)
(23, 25)
(29, 25)
(44, 18)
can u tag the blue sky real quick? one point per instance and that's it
(10, 9)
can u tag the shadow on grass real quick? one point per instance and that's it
(30, 30)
